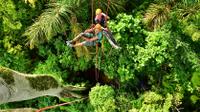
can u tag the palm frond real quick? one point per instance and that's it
(32, 2)
(190, 18)
(114, 6)
(156, 15)
(52, 21)
(189, 2)
(186, 12)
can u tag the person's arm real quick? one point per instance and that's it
(92, 39)
(86, 39)
(89, 30)
(105, 15)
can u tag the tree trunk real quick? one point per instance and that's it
(15, 86)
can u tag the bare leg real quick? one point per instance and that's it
(78, 44)
(77, 37)
(74, 40)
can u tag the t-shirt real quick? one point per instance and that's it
(99, 36)
(100, 18)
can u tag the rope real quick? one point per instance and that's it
(97, 52)
(102, 47)
(58, 105)
(92, 4)
(107, 12)
(108, 4)
(96, 69)
(99, 3)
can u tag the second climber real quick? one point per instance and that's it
(101, 18)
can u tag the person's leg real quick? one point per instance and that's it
(84, 43)
(81, 35)
(75, 45)
(111, 39)
(77, 37)
(78, 44)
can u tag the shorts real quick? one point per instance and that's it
(88, 34)
(86, 43)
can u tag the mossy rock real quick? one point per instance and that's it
(7, 75)
(41, 83)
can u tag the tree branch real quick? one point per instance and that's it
(62, 104)
(17, 86)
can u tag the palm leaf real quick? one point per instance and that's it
(189, 17)
(32, 2)
(52, 21)
(156, 15)
(189, 2)
(186, 12)
(114, 6)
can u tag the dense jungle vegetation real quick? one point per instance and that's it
(157, 69)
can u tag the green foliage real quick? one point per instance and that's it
(123, 101)
(196, 36)
(156, 15)
(9, 16)
(15, 16)
(168, 103)
(42, 30)
(193, 32)
(196, 78)
(52, 21)
(32, 2)
(115, 6)
(102, 98)
(191, 29)
(152, 101)
(194, 99)
(151, 97)
(157, 67)
(177, 97)
(155, 51)
(49, 67)
(190, 20)
(128, 32)
(17, 62)
(10, 24)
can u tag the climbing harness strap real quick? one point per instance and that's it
(108, 4)
(92, 4)
(96, 69)
(97, 49)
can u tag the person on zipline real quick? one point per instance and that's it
(101, 18)
(87, 34)
(91, 36)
